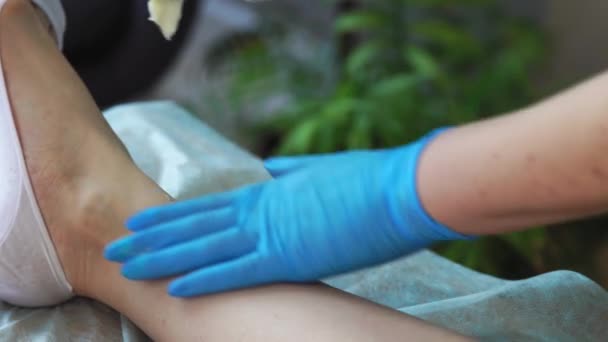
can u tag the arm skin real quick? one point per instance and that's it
(544, 164)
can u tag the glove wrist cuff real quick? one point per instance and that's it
(412, 219)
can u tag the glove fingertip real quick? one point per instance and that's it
(134, 270)
(125, 271)
(136, 223)
(119, 251)
(110, 254)
(180, 289)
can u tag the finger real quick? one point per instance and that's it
(157, 215)
(189, 256)
(249, 271)
(171, 233)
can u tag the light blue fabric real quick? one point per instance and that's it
(189, 159)
(559, 306)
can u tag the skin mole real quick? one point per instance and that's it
(598, 172)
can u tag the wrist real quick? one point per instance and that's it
(414, 220)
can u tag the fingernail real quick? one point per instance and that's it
(130, 270)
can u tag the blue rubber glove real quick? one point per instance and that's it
(320, 216)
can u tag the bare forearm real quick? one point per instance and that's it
(545, 164)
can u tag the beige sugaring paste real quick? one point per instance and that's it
(166, 14)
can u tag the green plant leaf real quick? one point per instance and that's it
(394, 86)
(422, 62)
(359, 136)
(338, 109)
(358, 21)
(363, 56)
(300, 139)
(528, 243)
(453, 39)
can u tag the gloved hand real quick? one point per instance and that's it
(321, 216)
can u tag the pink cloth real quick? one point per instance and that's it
(30, 272)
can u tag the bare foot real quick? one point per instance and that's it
(81, 174)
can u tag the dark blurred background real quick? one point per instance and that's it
(295, 77)
(116, 50)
